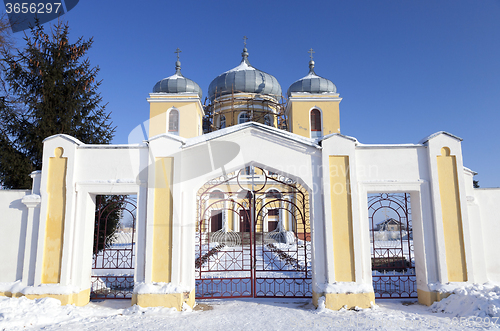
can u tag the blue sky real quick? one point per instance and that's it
(404, 68)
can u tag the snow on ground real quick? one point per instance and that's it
(249, 314)
(473, 300)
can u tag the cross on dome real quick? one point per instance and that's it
(245, 41)
(311, 52)
(178, 63)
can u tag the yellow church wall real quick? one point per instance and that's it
(54, 228)
(231, 108)
(157, 119)
(452, 216)
(189, 118)
(232, 117)
(299, 117)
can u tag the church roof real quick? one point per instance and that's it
(177, 83)
(244, 78)
(312, 83)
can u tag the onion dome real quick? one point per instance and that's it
(177, 83)
(244, 79)
(312, 83)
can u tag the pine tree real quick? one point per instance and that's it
(107, 219)
(55, 90)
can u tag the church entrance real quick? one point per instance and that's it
(261, 244)
(391, 241)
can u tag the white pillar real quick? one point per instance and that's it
(31, 201)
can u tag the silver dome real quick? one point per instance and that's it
(244, 78)
(312, 83)
(177, 83)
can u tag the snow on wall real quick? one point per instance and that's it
(488, 201)
(13, 219)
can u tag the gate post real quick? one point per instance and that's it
(345, 283)
(161, 286)
(452, 227)
(55, 237)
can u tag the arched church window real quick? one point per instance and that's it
(222, 121)
(273, 194)
(243, 117)
(316, 126)
(173, 122)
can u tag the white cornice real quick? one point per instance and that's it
(176, 99)
(314, 99)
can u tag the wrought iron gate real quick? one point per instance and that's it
(253, 237)
(114, 248)
(391, 236)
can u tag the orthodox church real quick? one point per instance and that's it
(252, 195)
(244, 94)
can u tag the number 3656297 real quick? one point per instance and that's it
(32, 8)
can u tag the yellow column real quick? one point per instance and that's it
(343, 248)
(343, 242)
(163, 214)
(230, 216)
(54, 228)
(452, 216)
(162, 242)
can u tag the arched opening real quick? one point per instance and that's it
(316, 125)
(243, 117)
(173, 121)
(263, 248)
(216, 214)
(274, 217)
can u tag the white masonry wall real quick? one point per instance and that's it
(13, 221)
(488, 200)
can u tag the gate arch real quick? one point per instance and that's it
(262, 247)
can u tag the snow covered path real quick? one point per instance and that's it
(251, 314)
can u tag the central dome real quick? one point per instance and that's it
(244, 79)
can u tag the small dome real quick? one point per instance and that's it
(312, 83)
(244, 78)
(177, 83)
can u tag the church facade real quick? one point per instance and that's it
(253, 196)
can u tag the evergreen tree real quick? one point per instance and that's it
(107, 219)
(54, 91)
